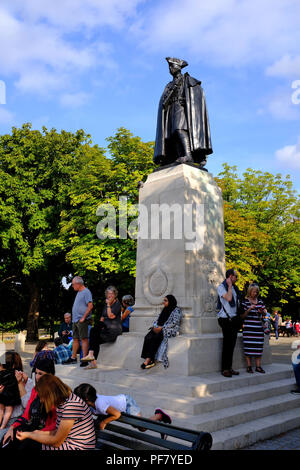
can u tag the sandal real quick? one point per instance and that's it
(259, 369)
(91, 366)
(87, 358)
(249, 369)
(151, 364)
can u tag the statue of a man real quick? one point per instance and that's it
(182, 133)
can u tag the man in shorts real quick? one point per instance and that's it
(81, 318)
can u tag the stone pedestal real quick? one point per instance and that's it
(188, 354)
(180, 251)
(181, 248)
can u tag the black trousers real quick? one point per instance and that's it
(230, 330)
(151, 344)
(100, 335)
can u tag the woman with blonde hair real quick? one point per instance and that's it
(107, 329)
(253, 333)
(74, 426)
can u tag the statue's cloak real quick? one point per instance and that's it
(197, 121)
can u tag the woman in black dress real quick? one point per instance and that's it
(107, 330)
(156, 341)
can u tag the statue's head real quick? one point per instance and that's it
(175, 65)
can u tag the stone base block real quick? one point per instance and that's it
(188, 355)
(191, 324)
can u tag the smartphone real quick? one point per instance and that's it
(6, 443)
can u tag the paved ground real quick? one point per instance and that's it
(281, 352)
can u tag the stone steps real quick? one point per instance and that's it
(237, 411)
(243, 435)
(193, 386)
(227, 417)
(182, 402)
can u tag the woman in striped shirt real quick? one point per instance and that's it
(253, 333)
(74, 426)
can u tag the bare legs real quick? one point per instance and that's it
(5, 414)
(257, 363)
(84, 346)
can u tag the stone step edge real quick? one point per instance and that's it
(189, 381)
(243, 435)
(228, 394)
(264, 406)
(203, 418)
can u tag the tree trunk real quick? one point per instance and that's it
(33, 314)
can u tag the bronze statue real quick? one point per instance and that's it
(182, 132)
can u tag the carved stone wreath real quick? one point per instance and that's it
(157, 284)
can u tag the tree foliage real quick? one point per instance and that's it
(51, 185)
(262, 232)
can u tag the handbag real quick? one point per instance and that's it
(266, 326)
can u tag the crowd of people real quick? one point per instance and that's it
(251, 315)
(42, 412)
(45, 414)
(77, 331)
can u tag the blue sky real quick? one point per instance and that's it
(100, 64)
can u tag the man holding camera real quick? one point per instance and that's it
(65, 329)
(228, 319)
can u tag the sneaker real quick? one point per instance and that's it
(87, 358)
(296, 391)
(71, 361)
(164, 417)
(234, 372)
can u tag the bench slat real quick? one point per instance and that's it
(123, 441)
(157, 441)
(181, 433)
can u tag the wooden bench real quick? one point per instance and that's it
(124, 434)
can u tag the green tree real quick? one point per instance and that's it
(262, 231)
(103, 261)
(36, 170)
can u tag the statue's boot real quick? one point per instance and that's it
(185, 147)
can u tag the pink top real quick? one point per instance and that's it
(82, 435)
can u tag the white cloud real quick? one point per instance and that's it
(280, 105)
(46, 45)
(224, 32)
(289, 156)
(73, 14)
(74, 100)
(287, 66)
(6, 117)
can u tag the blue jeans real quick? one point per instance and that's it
(296, 368)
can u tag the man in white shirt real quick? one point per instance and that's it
(228, 319)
